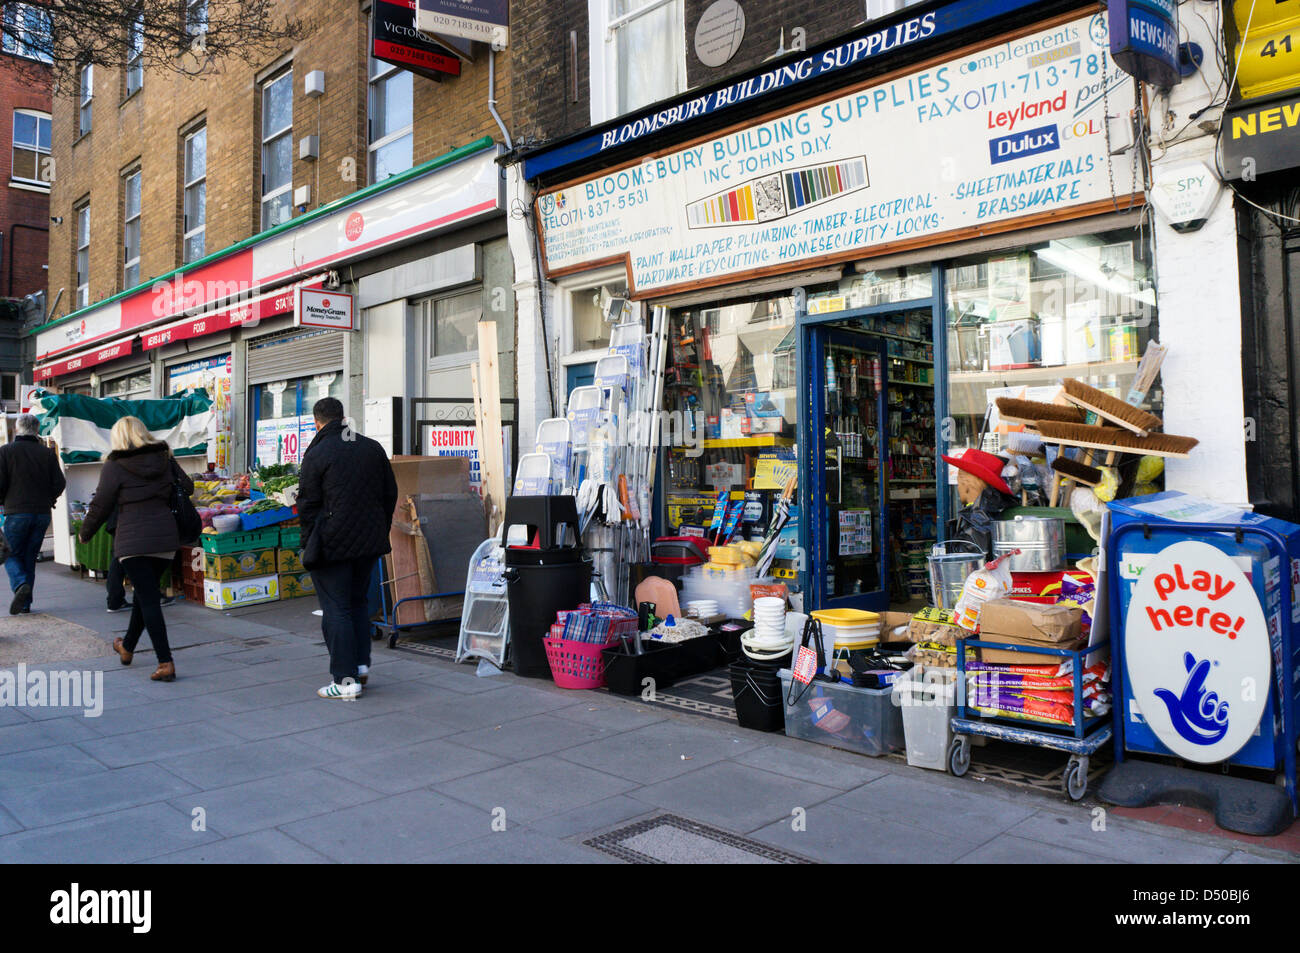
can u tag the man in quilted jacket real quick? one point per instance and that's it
(346, 497)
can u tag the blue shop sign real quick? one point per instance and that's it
(1144, 39)
(947, 20)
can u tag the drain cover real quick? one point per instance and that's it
(669, 839)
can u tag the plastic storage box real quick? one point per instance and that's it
(926, 703)
(864, 720)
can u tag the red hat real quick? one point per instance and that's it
(986, 466)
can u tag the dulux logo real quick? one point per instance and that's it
(1197, 715)
(1030, 142)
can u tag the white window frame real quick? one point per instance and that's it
(15, 15)
(83, 248)
(85, 96)
(424, 306)
(127, 221)
(196, 17)
(380, 71)
(284, 75)
(566, 289)
(135, 54)
(602, 43)
(188, 184)
(32, 147)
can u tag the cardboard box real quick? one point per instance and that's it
(245, 565)
(430, 475)
(889, 621)
(295, 585)
(1042, 587)
(289, 561)
(219, 594)
(1012, 657)
(1005, 620)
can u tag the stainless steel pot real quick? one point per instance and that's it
(1041, 541)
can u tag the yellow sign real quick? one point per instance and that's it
(1265, 120)
(772, 473)
(1269, 59)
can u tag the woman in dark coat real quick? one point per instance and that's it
(138, 477)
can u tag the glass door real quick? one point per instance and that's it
(848, 464)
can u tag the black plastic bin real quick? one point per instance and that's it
(540, 583)
(756, 690)
(665, 662)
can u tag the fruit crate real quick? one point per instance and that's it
(272, 518)
(221, 544)
(291, 537)
(191, 560)
(192, 589)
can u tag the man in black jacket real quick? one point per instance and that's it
(346, 497)
(31, 481)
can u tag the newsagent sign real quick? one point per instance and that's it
(988, 142)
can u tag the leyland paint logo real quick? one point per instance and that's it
(1197, 652)
(75, 906)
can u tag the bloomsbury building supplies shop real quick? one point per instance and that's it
(267, 326)
(854, 278)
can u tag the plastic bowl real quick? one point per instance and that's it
(226, 523)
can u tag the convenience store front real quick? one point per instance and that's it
(854, 278)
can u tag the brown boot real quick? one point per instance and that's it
(165, 672)
(120, 649)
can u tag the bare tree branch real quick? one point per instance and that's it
(190, 39)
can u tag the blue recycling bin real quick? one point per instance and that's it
(1193, 645)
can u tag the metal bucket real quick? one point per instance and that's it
(948, 571)
(1041, 541)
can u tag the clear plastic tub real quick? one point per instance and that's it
(927, 699)
(837, 714)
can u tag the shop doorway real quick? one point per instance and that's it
(871, 460)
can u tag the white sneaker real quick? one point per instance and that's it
(363, 673)
(347, 691)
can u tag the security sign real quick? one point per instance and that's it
(1197, 652)
(325, 309)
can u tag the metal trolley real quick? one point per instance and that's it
(1081, 740)
(389, 626)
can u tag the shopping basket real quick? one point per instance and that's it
(576, 664)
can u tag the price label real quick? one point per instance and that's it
(805, 665)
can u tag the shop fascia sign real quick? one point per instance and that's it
(951, 19)
(1005, 136)
(486, 21)
(1144, 39)
(316, 308)
(394, 39)
(455, 195)
(1268, 61)
(1196, 652)
(1185, 193)
(1257, 138)
(82, 361)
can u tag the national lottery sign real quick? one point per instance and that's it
(987, 142)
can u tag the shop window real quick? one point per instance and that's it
(83, 255)
(137, 386)
(283, 424)
(131, 230)
(645, 50)
(451, 323)
(8, 386)
(390, 122)
(27, 31)
(31, 147)
(86, 92)
(135, 53)
(1021, 320)
(195, 214)
(730, 391)
(277, 150)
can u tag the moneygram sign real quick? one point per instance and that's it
(325, 309)
(487, 21)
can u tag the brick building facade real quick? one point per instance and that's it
(422, 249)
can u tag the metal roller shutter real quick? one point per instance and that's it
(297, 353)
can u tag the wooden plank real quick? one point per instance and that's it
(491, 458)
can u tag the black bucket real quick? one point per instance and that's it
(553, 582)
(756, 690)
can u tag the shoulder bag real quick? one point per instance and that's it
(189, 525)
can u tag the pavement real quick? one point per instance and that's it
(238, 761)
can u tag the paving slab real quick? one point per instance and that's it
(373, 735)
(519, 845)
(57, 802)
(593, 818)
(120, 837)
(47, 765)
(835, 834)
(401, 829)
(244, 761)
(416, 766)
(529, 737)
(259, 847)
(270, 802)
(820, 767)
(528, 790)
(1118, 842)
(1010, 849)
(660, 751)
(941, 805)
(735, 796)
(157, 744)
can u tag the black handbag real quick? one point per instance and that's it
(313, 547)
(189, 525)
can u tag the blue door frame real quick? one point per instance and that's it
(813, 329)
